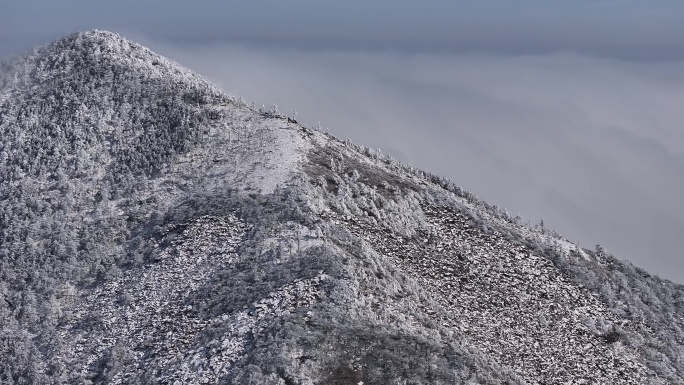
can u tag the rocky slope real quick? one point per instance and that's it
(154, 229)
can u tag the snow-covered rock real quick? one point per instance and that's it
(154, 229)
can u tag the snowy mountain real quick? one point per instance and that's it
(154, 229)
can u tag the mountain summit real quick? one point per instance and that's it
(154, 229)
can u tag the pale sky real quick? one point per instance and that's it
(567, 111)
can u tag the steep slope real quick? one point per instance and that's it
(156, 230)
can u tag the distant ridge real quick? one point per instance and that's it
(154, 229)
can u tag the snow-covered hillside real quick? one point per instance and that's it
(154, 229)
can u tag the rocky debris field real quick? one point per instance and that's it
(142, 314)
(509, 303)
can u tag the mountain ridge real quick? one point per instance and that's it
(156, 229)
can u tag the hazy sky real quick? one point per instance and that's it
(571, 112)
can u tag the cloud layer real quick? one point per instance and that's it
(593, 146)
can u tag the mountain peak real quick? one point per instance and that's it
(94, 35)
(93, 53)
(97, 42)
(154, 229)
(97, 89)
